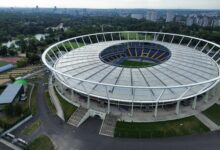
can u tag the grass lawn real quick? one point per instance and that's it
(131, 64)
(68, 108)
(185, 126)
(32, 127)
(2, 63)
(213, 113)
(41, 143)
(49, 103)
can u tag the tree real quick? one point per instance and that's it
(3, 51)
(22, 62)
(13, 109)
(12, 78)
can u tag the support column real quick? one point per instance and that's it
(88, 101)
(155, 111)
(206, 98)
(132, 108)
(72, 95)
(194, 102)
(108, 109)
(178, 107)
(62, 89)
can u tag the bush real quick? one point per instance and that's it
(13, 110)
(22, 63)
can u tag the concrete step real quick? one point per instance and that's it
(77, 117)
(108, 125)
(207, 122)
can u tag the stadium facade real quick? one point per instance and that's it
(135, 71)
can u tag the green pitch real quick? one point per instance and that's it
(136, 64)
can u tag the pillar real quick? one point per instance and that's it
(206, 98)
(72, 95)
(108, 109)
(88, 101)
(155, 111)
(62, 88)
(194, 102)
(132, 108)
(178, 107)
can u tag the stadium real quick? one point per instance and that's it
(136, 75)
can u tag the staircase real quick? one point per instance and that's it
(108, 125)
(78, 117)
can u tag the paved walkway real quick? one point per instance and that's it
(55, 100)
(4, 145)
(207, 122)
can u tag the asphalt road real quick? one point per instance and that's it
(86, 137)
(4, 147)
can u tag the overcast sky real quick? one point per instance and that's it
(181, 4)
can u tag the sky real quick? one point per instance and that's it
(148, 4)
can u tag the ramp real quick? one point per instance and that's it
(78, 117)
(108, 125)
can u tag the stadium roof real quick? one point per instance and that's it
(186, 66)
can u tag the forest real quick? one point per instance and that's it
(22, 28)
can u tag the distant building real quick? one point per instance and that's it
(189, 21)
(205, 21)
(6, 67)
(170, 17)
(137, 16)
(152, 16)
(124, 15)
(59, 27)
(12, 93)
(215, 23)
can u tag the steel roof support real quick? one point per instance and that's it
(71, 45)
(97, 38)
(204, 47)
(181, 96)
(107, 95)
(145, 36)
(77, 43)
(157, 101)
(112, 37)
(83, 41)
(163, 37)
(90, 40)
(211, 49)
(65, 47)
(194, 102)
(59, 51)
(189, 43)
(197, 44)
(51, 58)
(172, 39)
(104, 37)
(119, 34)
(181, 40)
(54, 54)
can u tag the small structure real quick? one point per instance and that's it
(22, 82)
(6, 67)
(12, 93)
